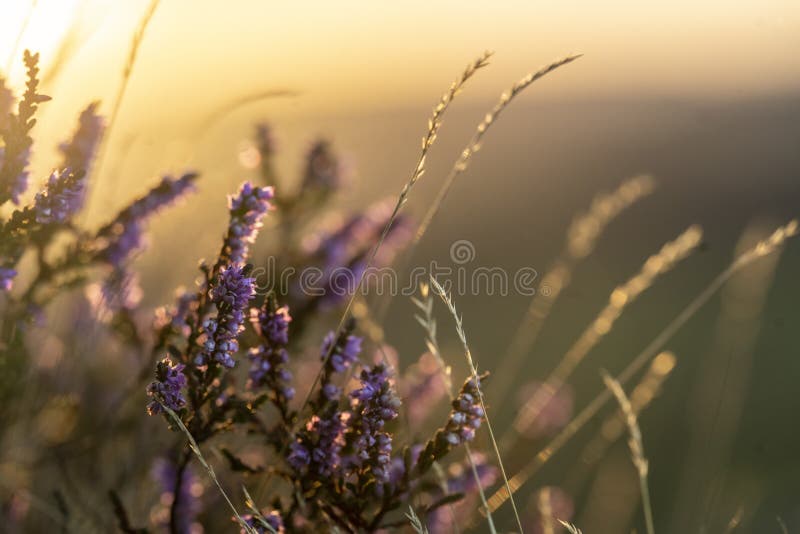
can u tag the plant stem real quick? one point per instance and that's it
(648, 509)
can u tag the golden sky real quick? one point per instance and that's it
(346, 55)
(346, 60)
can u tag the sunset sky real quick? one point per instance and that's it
(345, 61)
(367, 54)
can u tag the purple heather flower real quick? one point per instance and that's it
(374, 404)
(465, 418)
(397, 468)
(233, 290)
(342, 243)
(126, 239)
(273, 519)
(334, 247)
(342, 253)
(337, 354)
(119, 292)
(343, 354)
(124, 234)
(317, 448)
(185, 305)
(272, 325)
(61, 198)
(331, 391)
(167, 387)
(376, 396)
(231, 294)
(466, 415)
(79, 151)
(191, 489)
(341, 282)
(299, 455)
(380, 452)
(268, 370)
(247, 209)
(7, 278)
(269, 360)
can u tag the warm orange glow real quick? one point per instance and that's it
(363, 54)
(352, 58)
(38, 25)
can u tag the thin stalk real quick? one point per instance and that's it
(138, 37)
(429, 324)
(434, 123)
(646, 506)
(462, 162)
(583, 234)
(636, 444)
(468, 354)
(763, 248)
(196, 450)
(475, 143)
(656, 265)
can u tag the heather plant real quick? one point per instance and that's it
(340, 463)
(66, 254)
(247, 403)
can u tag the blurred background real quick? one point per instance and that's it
(705, 96)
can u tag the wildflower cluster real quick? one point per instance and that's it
(269, 360)
(61, 197)
(209, 323)
(78, 153)
(374, 404)
(246, 209)
(123, 235)
(467, 414)
(465, 418)
(341, 253)
(45, 227)
(312, 423)
(166, 389)
(338, 354)
(339, 446)
(316, 451)
(317, 447)
(230, 294)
